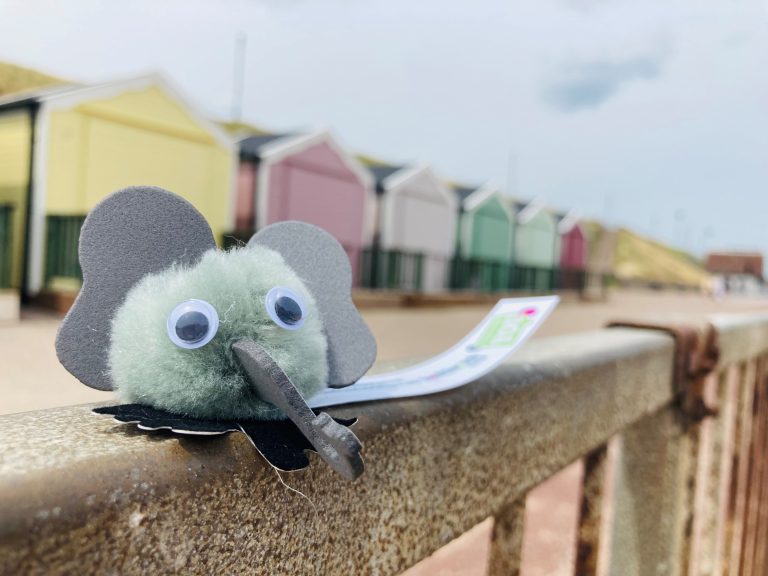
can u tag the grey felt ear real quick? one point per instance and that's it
(323, 265)
(132, 233)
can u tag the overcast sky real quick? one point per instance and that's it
(651, 113)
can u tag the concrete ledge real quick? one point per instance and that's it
(82, 494)
(741, 336)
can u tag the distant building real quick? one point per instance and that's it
(740, 272)
(307, 177)
(735, 263)
(64, 148)
(416, 227)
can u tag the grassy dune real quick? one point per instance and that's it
(637, 258)
(634, 258)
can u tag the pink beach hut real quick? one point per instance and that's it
(572, 243)
(307, 177)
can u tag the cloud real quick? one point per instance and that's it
(591, 84)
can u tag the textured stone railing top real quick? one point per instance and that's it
(77, 489)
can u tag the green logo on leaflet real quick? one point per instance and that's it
(504, 330)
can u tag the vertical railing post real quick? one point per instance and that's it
(761, 554)
(734, 528)
(753, 555)
(711, 440)
(507, 540)
(591, 512)
(649, 497)
(756, 457)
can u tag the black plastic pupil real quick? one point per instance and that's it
(192, 326)
(288, 310)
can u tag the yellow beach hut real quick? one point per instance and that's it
(63, 149)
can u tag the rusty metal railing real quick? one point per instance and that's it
(686, 469)
(729, 527)
(719, 518)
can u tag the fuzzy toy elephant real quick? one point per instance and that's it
(205, 341)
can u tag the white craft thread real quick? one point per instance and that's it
(300, 493)
(226, 313)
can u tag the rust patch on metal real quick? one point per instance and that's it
(695, 359)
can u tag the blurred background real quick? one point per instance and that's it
(611, 152)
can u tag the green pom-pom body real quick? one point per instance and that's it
(208, 382)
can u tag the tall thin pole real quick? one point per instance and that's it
(238, 80)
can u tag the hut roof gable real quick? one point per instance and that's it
(392, 179)
(253, 146)
(275, 149)
(567, 222)
(485, 194)
(70, 95)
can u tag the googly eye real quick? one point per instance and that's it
(286, 308)
(192, 324)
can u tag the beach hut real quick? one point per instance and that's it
(572, 245)
(416, 229)
(307, 177)
(571, 252)
(484, 239)
(535, 246)
(15, 146)
(65, 148)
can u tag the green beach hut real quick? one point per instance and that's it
(535, 246)
(484, 239)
